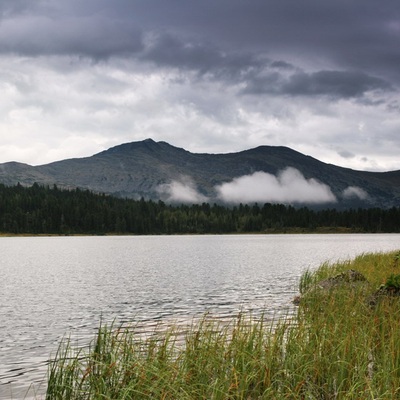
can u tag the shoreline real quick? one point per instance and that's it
(319, 352)
(289, 231)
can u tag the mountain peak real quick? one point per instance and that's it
(146, 144)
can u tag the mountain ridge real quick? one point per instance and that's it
(161, 171)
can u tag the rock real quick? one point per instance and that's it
(296, 300)
(350, 277)
(345, 277)
(383, 291)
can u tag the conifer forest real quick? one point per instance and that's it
(52, 210)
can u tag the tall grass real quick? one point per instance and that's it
(335, 346)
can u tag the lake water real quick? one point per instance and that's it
(56, 286)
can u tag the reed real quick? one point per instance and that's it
(335, 346)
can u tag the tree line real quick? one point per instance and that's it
(51, 210)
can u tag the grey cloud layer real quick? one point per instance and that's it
(229, 42)
(351, 31)
(357, 34)
(335, 84)
(354, 35)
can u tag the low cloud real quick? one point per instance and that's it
(355, 192)
(346, 154)
(289, 186)
(183, 191)
(332, 84)
(337, 84)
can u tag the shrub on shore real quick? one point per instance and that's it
(334, 346)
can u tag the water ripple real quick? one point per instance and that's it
(58, 286)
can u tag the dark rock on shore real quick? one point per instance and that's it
(382, 292)
(350, 277)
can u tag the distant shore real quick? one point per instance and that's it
(321, 230)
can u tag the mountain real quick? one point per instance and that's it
(157, 170)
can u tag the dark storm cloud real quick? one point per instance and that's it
(84, 36)
(258, 75)
(13, 7)
(169, 51)
(357, 35)
(233, 41)
(282, 65)
(335, 84)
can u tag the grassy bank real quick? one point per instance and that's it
(337, 345)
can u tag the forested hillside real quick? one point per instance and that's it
(159, 171)
(45, 210)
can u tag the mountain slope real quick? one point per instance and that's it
(158, 170)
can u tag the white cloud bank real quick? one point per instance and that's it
(289, 186)
(352, 192)
(183, 191)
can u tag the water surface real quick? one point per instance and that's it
(52, 286)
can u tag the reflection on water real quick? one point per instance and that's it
(54, 286)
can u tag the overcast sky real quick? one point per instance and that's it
(216, 76)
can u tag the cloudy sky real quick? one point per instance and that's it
(321, 77)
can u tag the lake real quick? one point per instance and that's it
(56, 286)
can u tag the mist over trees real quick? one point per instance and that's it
(50, 210)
